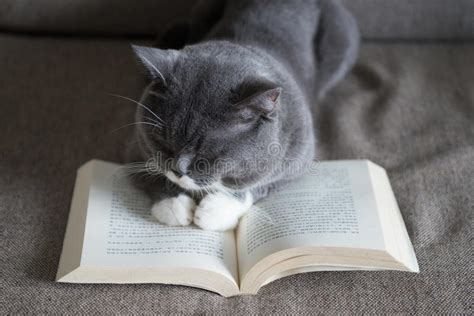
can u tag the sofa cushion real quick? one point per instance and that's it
(408, 108)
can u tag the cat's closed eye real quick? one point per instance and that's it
(160, 143)
(247, 117)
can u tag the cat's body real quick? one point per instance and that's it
(239, 101)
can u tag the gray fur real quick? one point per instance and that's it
(246, 82)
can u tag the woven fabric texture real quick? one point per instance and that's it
(407, 107)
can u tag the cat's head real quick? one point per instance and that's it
(207, 120)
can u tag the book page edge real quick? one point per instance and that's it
(71, 253)
(406, 253)
(312, 258)
(192, 277)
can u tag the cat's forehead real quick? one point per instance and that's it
(198, 60)
(197, 71)
(203, 85)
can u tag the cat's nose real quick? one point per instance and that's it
(182, 165)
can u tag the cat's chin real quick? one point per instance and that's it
(185, 182)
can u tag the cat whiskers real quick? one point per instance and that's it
(160, 121)
(219, 187)
(206, 189)
(154, 93)
(140, 169)
(134, 168)
(137, 123)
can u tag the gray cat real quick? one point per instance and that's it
(226, 120)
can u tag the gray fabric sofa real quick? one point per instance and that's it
(407, 105)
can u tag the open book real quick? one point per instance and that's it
(340, 216)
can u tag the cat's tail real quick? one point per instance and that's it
(336, 45)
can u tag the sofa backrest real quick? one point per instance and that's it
(378, 19)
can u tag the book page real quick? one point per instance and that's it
(121, 232)
(333, 205)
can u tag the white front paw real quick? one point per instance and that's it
(220, 211)
(176, 211)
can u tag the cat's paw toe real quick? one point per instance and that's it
(219, 212)
(176, 211)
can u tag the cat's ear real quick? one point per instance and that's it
(337, 44)
(262, 103)
(156, 62)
